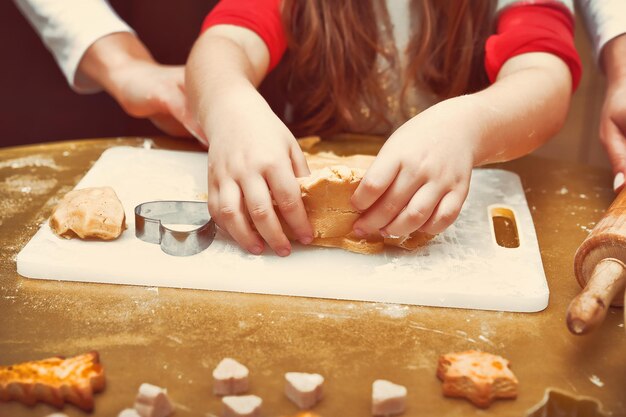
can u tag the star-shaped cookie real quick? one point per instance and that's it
(478, 376)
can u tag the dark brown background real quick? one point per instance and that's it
(36, 103)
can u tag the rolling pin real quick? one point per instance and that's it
(600, 267)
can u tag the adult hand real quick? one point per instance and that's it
(157, 92)
(124, 68)
(613, 116)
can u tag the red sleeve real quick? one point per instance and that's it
(260, 16)
(533, 28)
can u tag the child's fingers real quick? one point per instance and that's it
(383, 211)
(213, 200)
(298, 162)
(446, 212)
(416, 213)
(259, 204)
(288, 197)
(231, 216)
(375, 182)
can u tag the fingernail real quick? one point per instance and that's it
(256, 249)
(618, 182)
(283, 252)
(306, 240)
(388, 235)
(360, 233)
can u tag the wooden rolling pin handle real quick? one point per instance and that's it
(588, 309)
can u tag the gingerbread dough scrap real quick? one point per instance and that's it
(242, 406)
(388, 398)
(230, 378)
(152, 401)
(54, 381)
(89, 213)
(326, 195)
(478, 376)
(304, 390)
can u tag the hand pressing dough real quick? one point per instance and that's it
(152, 401)
(388, 398)
(326, 195)
(54, 381)
(304, 390)
(478, 376)
(89, 213)
(241, 406)
(230, 378)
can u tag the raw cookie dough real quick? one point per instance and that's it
(241, 406)
(230, 378)
(326, 194)
(478, 376)
(89, 213)
(388, 398)
(304, 390)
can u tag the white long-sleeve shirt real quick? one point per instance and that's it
(68, 28)
(606, 19)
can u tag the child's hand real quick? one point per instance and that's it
(420, 178)
(253, 158)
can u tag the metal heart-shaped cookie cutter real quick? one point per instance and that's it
(150, 218)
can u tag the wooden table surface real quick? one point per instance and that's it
(174, 337)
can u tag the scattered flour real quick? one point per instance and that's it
(27, 184)
(563, 191)
(31, 161)
(596, 381)
(394, 311)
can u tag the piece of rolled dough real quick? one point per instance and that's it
(152, 401)
(304, 390)
(326, 194)
(388, 398)
(241, 406)
(230, 378)
(89, 213)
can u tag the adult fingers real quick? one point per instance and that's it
(375, 182)
(174, 102)
(168, 124)
(614, 142)
(383, 211)
(446, 212)
(231, 216)
(286, 192)
(261, 210)
(417, 212)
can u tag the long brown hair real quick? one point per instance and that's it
(333, 45)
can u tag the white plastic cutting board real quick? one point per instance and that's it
(462, 267)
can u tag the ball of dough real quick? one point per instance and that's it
(89, 213)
